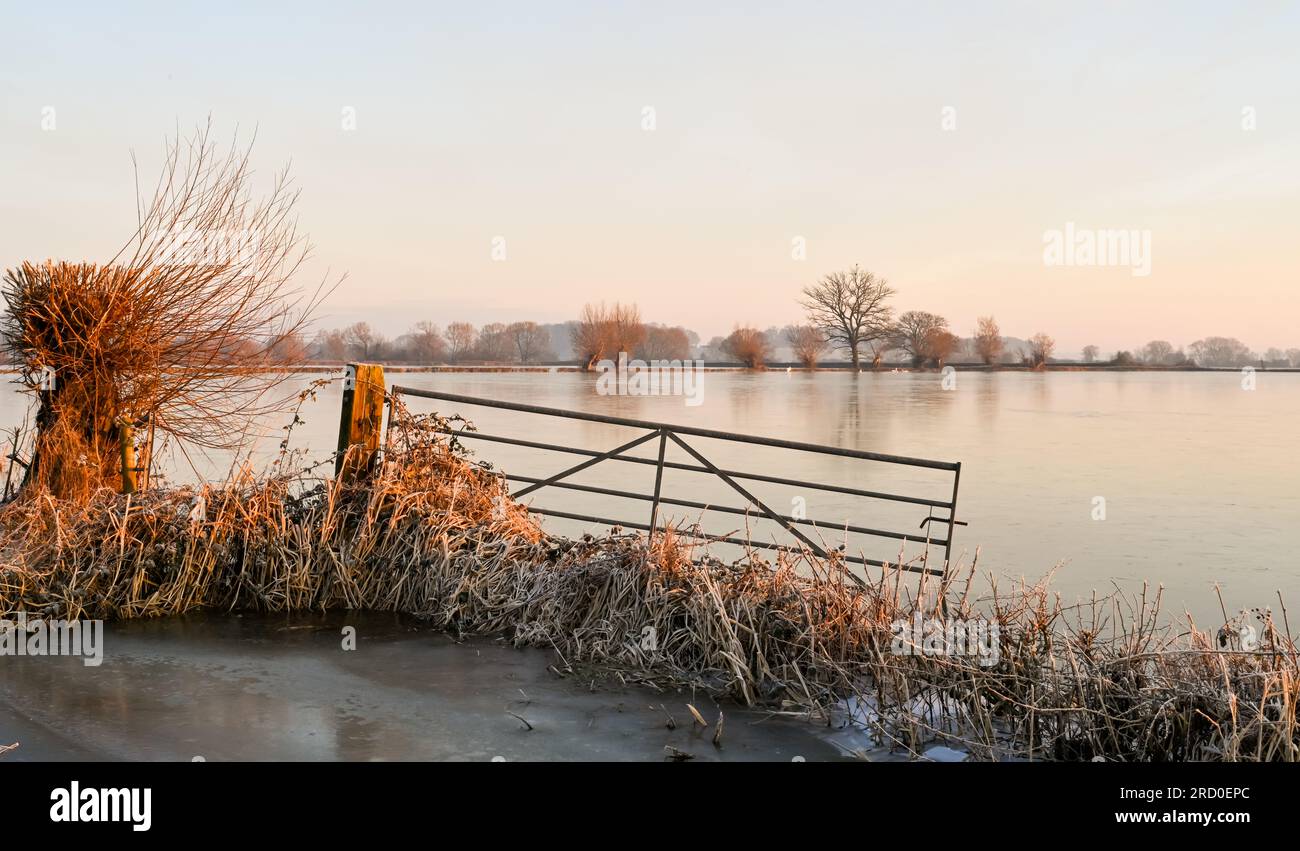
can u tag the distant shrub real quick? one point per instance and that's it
(749, 346)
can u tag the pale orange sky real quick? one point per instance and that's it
(771, 122)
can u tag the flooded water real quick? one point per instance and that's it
(1180, 479)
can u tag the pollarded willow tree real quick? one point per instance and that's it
(180, 329)
(602, 333)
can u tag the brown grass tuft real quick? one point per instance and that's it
(436, 535)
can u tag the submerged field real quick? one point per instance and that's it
(1193, 474)
(433, 535)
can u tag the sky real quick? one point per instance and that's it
(510, 161)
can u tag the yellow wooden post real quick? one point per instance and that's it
(126, 436)
(362, 419)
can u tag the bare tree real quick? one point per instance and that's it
(1157, 352)
(332, 345)
(530, 340)
(426, 344)
(665, 344)
(495, 343)
(1221, 352)
(715, 349)
(938, 346)
(604, 332)
(1041, 347)
(363, 341)
(590, 335)
(1091, 353)
(460, 337)
(807, 342)
(178, 327)
(912, 333)
(626, 330)
(289, 350)
(850, 309)
(749, 346)
(988, 340)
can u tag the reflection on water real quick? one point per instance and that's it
(1198, 476)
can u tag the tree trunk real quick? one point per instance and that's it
(76, 448)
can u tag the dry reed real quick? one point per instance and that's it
(435, 535)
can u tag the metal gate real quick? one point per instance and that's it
(663, 434)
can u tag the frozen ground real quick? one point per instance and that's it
(266, 688)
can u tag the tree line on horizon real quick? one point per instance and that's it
(427, 343)
(846, 313)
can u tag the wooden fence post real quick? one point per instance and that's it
(362, 419)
